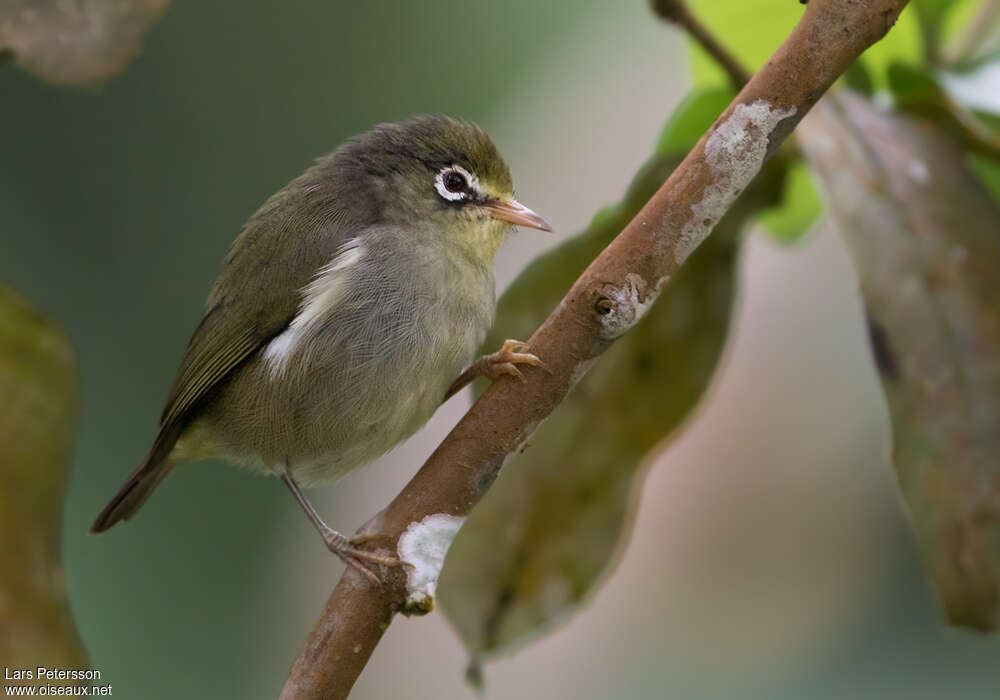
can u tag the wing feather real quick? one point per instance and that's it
(256, 296)
(202, 369)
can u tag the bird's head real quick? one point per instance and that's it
(441, 176)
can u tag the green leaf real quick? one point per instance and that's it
(934, 9)
(931, 15)
(988, 171)
(990, 120)
(78, 43)
(692, 117)
(753, 29)
(917, 91)
(922, 231)
(858, 78)
(798, 210)
(913, 84)
(942, 21)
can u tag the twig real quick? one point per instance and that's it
(678, 12)
(607, 299)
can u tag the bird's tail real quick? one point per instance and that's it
(133, 493)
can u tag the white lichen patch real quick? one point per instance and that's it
(422, 548)
(627, 304)
(735, 153)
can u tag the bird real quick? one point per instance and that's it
(349, 307)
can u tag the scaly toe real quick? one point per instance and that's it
(346, 550)
(526, 358)
(498, 369)
(512, 346)
(335, 541)
(358, 540)
(375, 558)
(514, 352)
(362, 569)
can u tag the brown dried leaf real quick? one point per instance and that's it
(925, 237)
(75, 41)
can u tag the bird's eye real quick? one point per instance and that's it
(455, 183)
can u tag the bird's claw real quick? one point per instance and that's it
(505, 360)
(349, 552)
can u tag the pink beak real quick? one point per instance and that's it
(514, 212)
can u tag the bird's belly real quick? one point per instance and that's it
(359, 442)
(345, 422)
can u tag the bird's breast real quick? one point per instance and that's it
(376, 344)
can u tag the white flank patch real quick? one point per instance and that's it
(735, 153)
(277, 352)
(318, 297)
(423, 547)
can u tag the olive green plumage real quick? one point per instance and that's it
(347, 305)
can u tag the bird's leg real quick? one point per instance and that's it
(495, 365)
(340, 544)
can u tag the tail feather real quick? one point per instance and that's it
(131, 495)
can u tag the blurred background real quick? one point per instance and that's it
(770, 557)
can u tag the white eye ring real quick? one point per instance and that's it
(472, 183)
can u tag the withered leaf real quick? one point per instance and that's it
(925, 238)
(76, 42)
(37, 422)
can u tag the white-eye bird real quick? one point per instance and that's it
(344, 314)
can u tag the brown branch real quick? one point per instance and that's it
(678, 12)
(607, 299)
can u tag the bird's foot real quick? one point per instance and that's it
(505, 361)
(501, 363)
(349, 551)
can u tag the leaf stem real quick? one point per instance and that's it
(678, 12)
